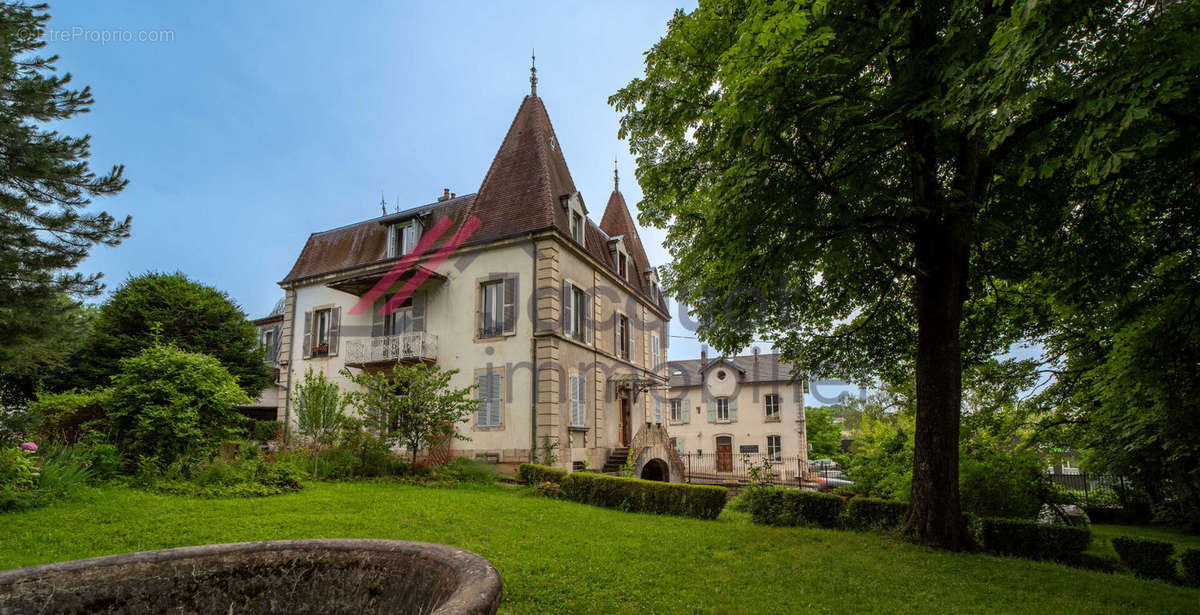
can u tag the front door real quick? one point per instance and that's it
(624, 421)
(724, 454)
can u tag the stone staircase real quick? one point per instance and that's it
(615, 460)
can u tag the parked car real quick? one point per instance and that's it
(818, 465)
(832, 483)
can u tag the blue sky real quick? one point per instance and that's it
(253, 125)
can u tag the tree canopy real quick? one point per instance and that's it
(162, 308)
(46, 186)
(872, 186)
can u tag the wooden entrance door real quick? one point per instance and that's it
(624, 421)
(724, 454)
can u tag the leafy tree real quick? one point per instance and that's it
(319, 411)
(412, 406)
(870, 185)
(168, 403)
(170, 308)
(824, 436)
(46, 186)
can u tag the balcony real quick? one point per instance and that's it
(403, 348)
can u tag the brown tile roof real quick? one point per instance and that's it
(365, 243)
(520, 194)
(521, 190)
(768, 368)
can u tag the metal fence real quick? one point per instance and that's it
(715, 468)
(1092, 489)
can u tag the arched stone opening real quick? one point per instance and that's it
(656, 469)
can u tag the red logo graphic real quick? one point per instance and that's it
(409, 261)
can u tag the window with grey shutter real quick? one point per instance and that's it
(567, 317)
(577, 404)
(495, 403)
(510, 304)
(308, 334)
(483, 383)
(335, 330)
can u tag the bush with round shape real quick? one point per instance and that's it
(1149, 559)
(167, 403)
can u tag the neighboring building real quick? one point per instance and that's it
(559, 321)
(724, 411)
(270, 337)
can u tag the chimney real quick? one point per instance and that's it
(445, 195)
(703, 354)
(756, 354)
(452, 195)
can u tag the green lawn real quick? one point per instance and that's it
(564, 557)
(1102, 536)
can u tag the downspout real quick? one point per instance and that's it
(533, 340)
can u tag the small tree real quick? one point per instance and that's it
(319, 405)
(412, 406)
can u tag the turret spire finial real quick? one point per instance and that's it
(382, 203)
(533, 74)
(616, 177)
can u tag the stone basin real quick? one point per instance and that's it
(285, 576)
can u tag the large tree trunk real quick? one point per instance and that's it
(934, 515)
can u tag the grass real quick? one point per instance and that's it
(1102, 536)
(559, 556)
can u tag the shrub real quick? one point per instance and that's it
(1033, 540)
(790, 507)
(65, 417)
(636, 495)
(248, 476)
(874, 514)
(167, 403)
(1190, 559)
(265, 431)
(994, 482)
(461, 470)
(534, 474)
(1149, 559)
(360, 454)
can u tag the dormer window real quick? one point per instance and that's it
(577, 226)
(402, 238)
(623, 266)
(576, 215)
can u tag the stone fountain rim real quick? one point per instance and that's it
(479, 583)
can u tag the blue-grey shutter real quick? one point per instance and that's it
(483, 382)
(587, 318)
(712, 410)
(733, 409)
(418, 312)
(335, 330)
(495, 403)
(308, 334)
(566, 308)
(510, 304)
(685, 411)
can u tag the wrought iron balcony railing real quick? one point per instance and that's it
(391, 349)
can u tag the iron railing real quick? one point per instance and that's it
(1093, 489)
(392, 348)
(712, 468)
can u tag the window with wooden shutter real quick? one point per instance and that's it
(577, 403)
(510, 304)
(335, 330)
(489, 391)
(307, 345)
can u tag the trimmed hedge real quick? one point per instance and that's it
(1190, 560)
(1149, 559)
(636, 495)
(534, 474)
(1034, 540)
(790, 507)
(874, 514)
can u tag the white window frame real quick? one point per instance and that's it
(654, 353)
(676, 410)
(402, 238)
(777, 453)
(723, 406)
(321, 321)
(771, 409)
(623, 349)
(578, 301)
(494, 327)
(578, 401)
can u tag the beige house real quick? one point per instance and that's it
(727, 411)
(556, 319)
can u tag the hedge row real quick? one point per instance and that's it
(874, 514)
(636, 495)
(1191, 566)
(1033, 540)
(790, 507)
(1149, 559)
(534, 474)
